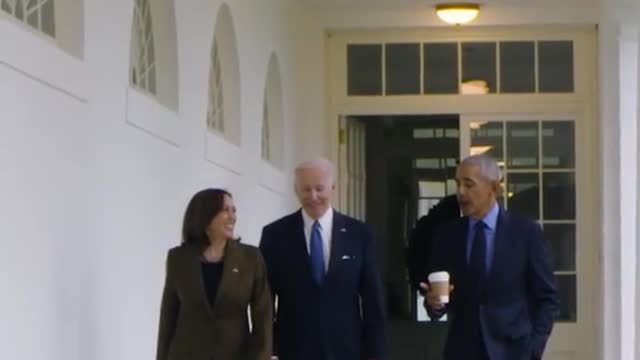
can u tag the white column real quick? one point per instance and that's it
(619, 176)
(610, 196)
(628, 184)
(637, 219)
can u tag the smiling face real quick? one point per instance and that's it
(314, 188)
(223, 223)
(476, 194)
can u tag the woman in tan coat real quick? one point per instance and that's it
(211, 280)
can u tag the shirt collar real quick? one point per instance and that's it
(325, 220)
(490, 220)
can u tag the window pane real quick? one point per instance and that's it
(555, 66)
(32, 19)
(152, 80)
(431, 189)
(487, 138)
(479, 64)
(558, 149)
(523, 193)
(559, 196)
(441, 68)
(364, 69)
(429, 163)
(517, 67)
(562, 244)
(567, 290)
(4, 4)
(402, 67)
(423, 134)
(151, 52)
(19, 9)
(48, 18)
(424, 205)
(522, 145)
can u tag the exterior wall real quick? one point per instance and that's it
(91, 202)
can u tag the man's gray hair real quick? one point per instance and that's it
(489, 168)
(319, 163)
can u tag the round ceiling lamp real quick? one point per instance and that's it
(457, 13)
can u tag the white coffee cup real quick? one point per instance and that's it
(439, 282)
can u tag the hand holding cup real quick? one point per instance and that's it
(437, 290)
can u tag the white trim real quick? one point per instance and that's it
(221, 152)
(39, 57)
(273, 178)
(146, 113)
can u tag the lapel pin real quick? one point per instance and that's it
(343, 230)
(235, 270)
(346, 257)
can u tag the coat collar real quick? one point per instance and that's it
(230, 266)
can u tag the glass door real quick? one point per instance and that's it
(542, 174)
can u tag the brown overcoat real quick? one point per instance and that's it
(191, 329)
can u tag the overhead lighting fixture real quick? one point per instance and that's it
(457, 13)
(480, 149)
(474, 87)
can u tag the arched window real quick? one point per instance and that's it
(143, 67)
(152, 89)
(223, 112)
(266, 150)
(215, 112)
(273, 118)
(39, 14)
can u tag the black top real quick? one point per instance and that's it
(211, 274)
(421, 239)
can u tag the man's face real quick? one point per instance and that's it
(314, 188)
(476, 194)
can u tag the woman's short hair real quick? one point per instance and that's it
(202, 208)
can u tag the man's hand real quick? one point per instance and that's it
(431, 299)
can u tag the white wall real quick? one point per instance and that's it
(45, 219)
(90, 204)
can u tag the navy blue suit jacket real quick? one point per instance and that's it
(344, 318)
(521, 297)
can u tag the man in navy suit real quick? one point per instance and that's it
(504, 297)
(323, 275)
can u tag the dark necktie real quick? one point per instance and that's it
(477, 260)
(316, 253)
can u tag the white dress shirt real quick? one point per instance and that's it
(326, 225)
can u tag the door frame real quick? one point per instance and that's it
(580, 106)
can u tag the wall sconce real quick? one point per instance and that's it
(457, 13)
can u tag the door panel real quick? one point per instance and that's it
(543, 173)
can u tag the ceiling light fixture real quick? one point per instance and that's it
(457, 13)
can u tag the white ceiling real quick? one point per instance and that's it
(431, 3)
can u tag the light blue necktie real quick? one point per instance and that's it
(316, 253)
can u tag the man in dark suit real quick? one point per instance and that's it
(421, 239)
(505, 298)
(323, 275)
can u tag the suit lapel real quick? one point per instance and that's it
(500, 250)
(461, 244)
(226, 283)
(338, 235)
(299, 243)
(195, 272)
(229, 270)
